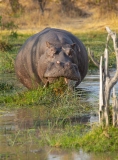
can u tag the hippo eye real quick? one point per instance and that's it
(68, 51)
(54, 51)
(50, 54)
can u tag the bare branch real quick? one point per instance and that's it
(108, 38)
(117, 112)
(114, 108)
(101, 87)
(114, 80)
(113, 36)
(91, 55)
(106, 69)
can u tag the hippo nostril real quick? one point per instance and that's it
(61, 64)
(58, 62)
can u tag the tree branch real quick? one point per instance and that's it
(113, 36)
(101, 103)
(91, 55)
(114, 108)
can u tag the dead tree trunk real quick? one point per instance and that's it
(101, 102)
(114, 109)
(104, 95)
(107, 83)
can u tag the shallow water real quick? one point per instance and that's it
(90, 86)
(16, 145)
(26, 148)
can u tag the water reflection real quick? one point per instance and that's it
(46, 154)
(68, 155)
(16, 141)
(90, 87)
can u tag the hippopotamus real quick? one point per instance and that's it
(50, 54)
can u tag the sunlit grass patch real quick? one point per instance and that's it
(101, 140)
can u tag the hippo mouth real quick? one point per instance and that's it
(67, 70)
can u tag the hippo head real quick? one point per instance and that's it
(61, 62)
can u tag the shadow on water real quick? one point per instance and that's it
(17, 127)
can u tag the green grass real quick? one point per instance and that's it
(101, 139)
(97, 139)
(9, 47)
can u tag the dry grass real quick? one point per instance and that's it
(32, 20)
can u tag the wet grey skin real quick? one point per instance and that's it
(49, 55)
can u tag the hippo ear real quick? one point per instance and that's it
(48, 44)
(73, 45)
